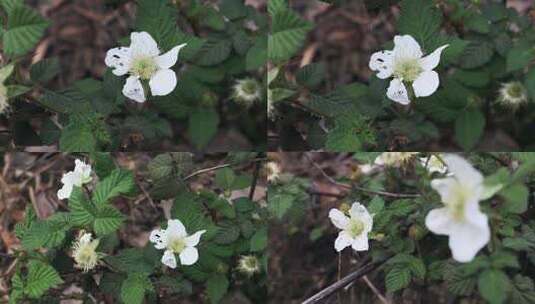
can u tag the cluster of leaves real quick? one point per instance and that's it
(489, 44)
(234, 227)
(413, 258)
(225, 43)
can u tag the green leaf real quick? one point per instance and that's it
(257, 54)
(311, 75)
(493, 286)
(469, 128)
(523, 291)
(475, 79)
(420, 19)
(117, 183)
(494, 183)
(397, 278)
(225, 178)
(9, 5)
(216, 287)
(24, 29)
(516, 198)
(41, 277)
(259, 240)
(227, 233)
(233, 9)
(342, 138)
(279, 204)
(134, 287)
(520, 56)
(77, 137)
(288, 34)
(530, 83)
(214, 51)
(476, 54)
(376, 205)
(202, 127)
(135, 260)
(107, 220)
(274, 6)
(190, 212)
(44, 70)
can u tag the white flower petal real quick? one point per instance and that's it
(189, 256)
(382, 62)
(463, 170)
(406, 47)
(466, 240)
(142, 44)
(83, 170)
(169, 259)
(118, 59)
(194, 239)
(432, 60)
(159, 238)
(398, 92)
(342, 241)
(443, 186)
(170, 58)
(439, 221)
(163, 82)
(426, 84)
(133, 89)
(175, 229)
(360, 243)
(65, 191)
(338, 219)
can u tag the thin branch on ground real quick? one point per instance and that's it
(375, 290)
(350, 187)
(206, 170)
(256, 173)
(355, 275)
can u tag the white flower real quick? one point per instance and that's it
(406, 64)
(246, 91)
(355, 228)
(434, 164)
(249, 265)
(175, 240)
(394, 159)
(273, 171)
(143, 62)
(81, 175)
(84, 251)
(460, 218)
(513, 94)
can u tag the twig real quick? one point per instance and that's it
(350, 187)
(375, 290)
(328, 291)
(255, 180)
(206, 170)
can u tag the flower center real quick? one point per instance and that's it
(86, 257)
(356, 227)
(408, 69)
(515, 90)
(249, 87)
(177, 245)
(457, 201)
(144, 67)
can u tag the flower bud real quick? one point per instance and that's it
(512, 94)
(246, 91)
(249, 265)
